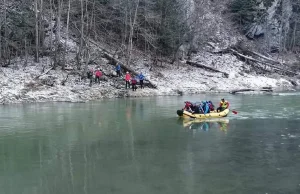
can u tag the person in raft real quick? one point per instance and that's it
(127, 80)
(223, 105)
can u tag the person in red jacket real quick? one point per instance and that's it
(98, 75)
(127, 80)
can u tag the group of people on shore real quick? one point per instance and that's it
(205, 107)
(130, 81)
(97, 73)
(133, 81)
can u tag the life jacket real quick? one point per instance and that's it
(187, 105)
(205, 108)
(141, 77)
(211, 107)
(224, 104)
(118, 68)
(98, 73)
(127, 77)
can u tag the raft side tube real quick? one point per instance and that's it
(180, 113)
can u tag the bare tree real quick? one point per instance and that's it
(36, 31)
(67, 33)
(132, 23)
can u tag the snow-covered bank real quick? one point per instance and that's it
(21, 84)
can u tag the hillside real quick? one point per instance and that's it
(182, 47)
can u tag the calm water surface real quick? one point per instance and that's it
(129, 146)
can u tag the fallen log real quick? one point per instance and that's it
(263, 57)
(207, 68)
(264, 89)
(115, 61)
(263, 62)
(267, 58)
(241, 90)
(223, 51)
(46, 72)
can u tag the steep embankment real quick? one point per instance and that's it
(32, 84)
(38, 82)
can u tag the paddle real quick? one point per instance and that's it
(234, 112)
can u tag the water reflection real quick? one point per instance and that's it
(198, 125)
(135, 146)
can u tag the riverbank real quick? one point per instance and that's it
(37, 82)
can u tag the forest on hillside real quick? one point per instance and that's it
(156, 27)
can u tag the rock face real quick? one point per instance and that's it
(255, 30)
(206, 18)
(273, 26)
(277, 23)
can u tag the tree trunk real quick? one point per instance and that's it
(51, 34)
(263, 62)
(207, 68)
(6, 50)
(58, 19)
(126, 68)
(67, 38)
(26, 52)
(87, 44)
(264, 89)
(81, 37)
(58, 34)
(41, 27)
(92, 22)
(294, 37)
(36, 31)
(1, 44)
(132, 26)
(82, 25)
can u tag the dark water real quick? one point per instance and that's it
(139, 146)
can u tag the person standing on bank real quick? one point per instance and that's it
(141, 78)
(127, 79)
(118, 69)
(133, 83)
(90, 76)
(98, 74)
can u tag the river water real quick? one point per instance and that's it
(128, 146)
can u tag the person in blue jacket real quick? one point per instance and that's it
(118, 69)
(205, 107)
(141, 78)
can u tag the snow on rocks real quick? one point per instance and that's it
(19, 84)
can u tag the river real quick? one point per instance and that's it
(128, 146)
